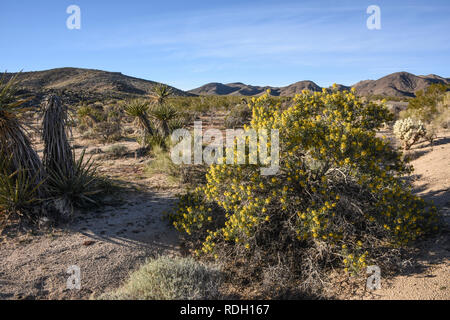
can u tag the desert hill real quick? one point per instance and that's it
(76, 84)
(399, 84)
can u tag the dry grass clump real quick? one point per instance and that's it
(161, 163)
(166, 278)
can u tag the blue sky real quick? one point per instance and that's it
(189, 43)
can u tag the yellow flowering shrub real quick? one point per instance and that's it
(338, 196)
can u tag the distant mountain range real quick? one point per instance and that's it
(75, 85)
(400, 84)
(240, 89)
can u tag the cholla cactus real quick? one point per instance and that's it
(409, 131)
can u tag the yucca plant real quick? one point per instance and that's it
(77, 189)
(18, 194)
(57, 150)
(139, 110)
(13, 139)
(163, 114)
(160, 93)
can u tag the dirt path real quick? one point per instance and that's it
(106, 245)
(428, 275)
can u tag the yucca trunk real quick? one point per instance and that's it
(145, 124)
(164, 128)
(57, 151)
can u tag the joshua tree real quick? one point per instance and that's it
(163, 114)
(139, 110)
(160, 93)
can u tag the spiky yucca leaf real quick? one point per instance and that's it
(18, 190)
(139, 110)
(77, 189)
(9, 104)
(163, 114)
(160, 93)
(136, 108)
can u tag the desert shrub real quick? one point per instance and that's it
(425, 104)
(88, 115)
(339, 197)
(409, 131)
(101, 122)
(168, 278)
(431, 107)
(180, 122)
(117, 150)
(380, 97)
(238, 116)
(205, 104)
(442, 120)
(108, 131)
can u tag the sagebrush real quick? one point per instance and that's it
(166, 278)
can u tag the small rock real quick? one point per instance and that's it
(88, 242)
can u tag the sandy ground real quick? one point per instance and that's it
(113, 241)
(428, 273)
(106, 245)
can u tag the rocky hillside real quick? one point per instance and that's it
(400, 84)
(75, 84)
